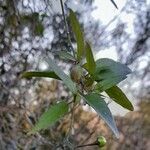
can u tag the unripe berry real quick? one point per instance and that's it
(101, 141)
(76, 73)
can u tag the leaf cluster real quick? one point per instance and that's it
(88, 79)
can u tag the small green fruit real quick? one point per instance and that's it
(76, 73)
(101, 141)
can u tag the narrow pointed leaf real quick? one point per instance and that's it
(90, 59)
(65, 55)
(49, 117)
(109, 73)
(65, 78)
(100, 106)
(119, 97)
(78, 34)
(85, 66)
(31, 74)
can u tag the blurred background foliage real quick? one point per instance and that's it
(31, 31)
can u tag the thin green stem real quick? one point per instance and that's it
(72, 114)
(67, 28)
(91, 144)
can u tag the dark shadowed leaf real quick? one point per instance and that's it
(65, 78)
(39, 29)
(100, 106)
(40, 74)
(119, 97)
(78, 34)
(109, 73)
(90, 59)
(49, 117)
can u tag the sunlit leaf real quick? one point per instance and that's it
(65, 78)
(109, 73)
(90, 59)
(85, 66)
(78, 34)
(119, 97)
(30, 74)
(49, 117)
(100, 106)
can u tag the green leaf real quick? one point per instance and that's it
(40, 74)
(39, 29)
(90, 59)
(49, 117)
(78, 34)
(109, 73)
(100, 106)
(65, 55)
(65, 78)
(119, 97)
(85, 66)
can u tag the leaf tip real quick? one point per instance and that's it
(23, 75)
(132, 108)
(115, 131)
(117, 135)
